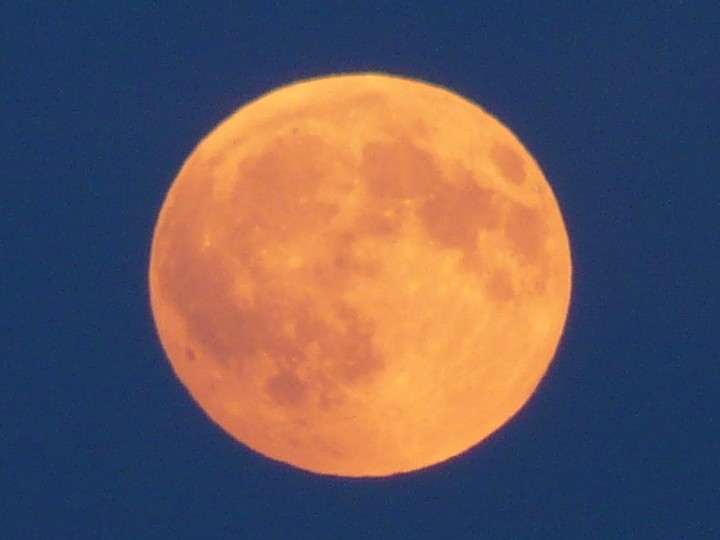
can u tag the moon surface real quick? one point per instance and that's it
(360, 275)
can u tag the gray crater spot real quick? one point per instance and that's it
(286, 388)
(510, 163)
(500, 287)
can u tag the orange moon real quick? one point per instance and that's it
(360, 275)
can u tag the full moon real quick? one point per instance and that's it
(360, 275)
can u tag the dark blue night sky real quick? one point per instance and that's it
(102, 102)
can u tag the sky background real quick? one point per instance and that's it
(102, 102)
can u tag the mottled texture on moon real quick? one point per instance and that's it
(360, 275)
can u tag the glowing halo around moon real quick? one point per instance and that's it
(360, 275)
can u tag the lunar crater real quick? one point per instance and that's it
(509, 162)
